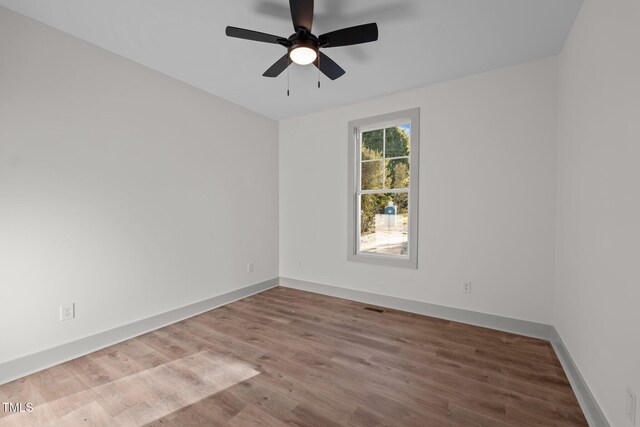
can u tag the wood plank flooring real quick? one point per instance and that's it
(287, 357)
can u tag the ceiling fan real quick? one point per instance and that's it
(303, 47)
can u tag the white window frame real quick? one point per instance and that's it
(356, 128)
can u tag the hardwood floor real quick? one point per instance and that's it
(287, 357)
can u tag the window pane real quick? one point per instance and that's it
(397, 173)
(384, 224)
(372, 175)
(372, 144)
(398, 141)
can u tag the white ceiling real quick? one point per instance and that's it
(421, 42)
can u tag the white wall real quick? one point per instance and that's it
(597, 309)
(487, 194)
(121, 189)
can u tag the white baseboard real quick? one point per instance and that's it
(587, 401)
(589, 405)
(516, 326)
(20, 367)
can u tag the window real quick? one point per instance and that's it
(383, 189)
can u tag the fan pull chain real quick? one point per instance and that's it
(318, 69)
(288, 73)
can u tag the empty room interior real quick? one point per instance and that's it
(329, 213)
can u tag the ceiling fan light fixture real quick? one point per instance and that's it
(303, 47)
(303, 55)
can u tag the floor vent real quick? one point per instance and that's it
(377, 310)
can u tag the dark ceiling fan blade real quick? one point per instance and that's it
(301, 13)
(349, 36)
(257, 36)
(276, 69)
(328, 67)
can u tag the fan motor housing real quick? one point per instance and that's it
(303, 43)
(303, 38)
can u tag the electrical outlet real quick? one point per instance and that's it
(466, 287)
(630, 407)
(250, 267)
(67, 311)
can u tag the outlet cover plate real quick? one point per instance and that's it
(466, 287)
(67, 311)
